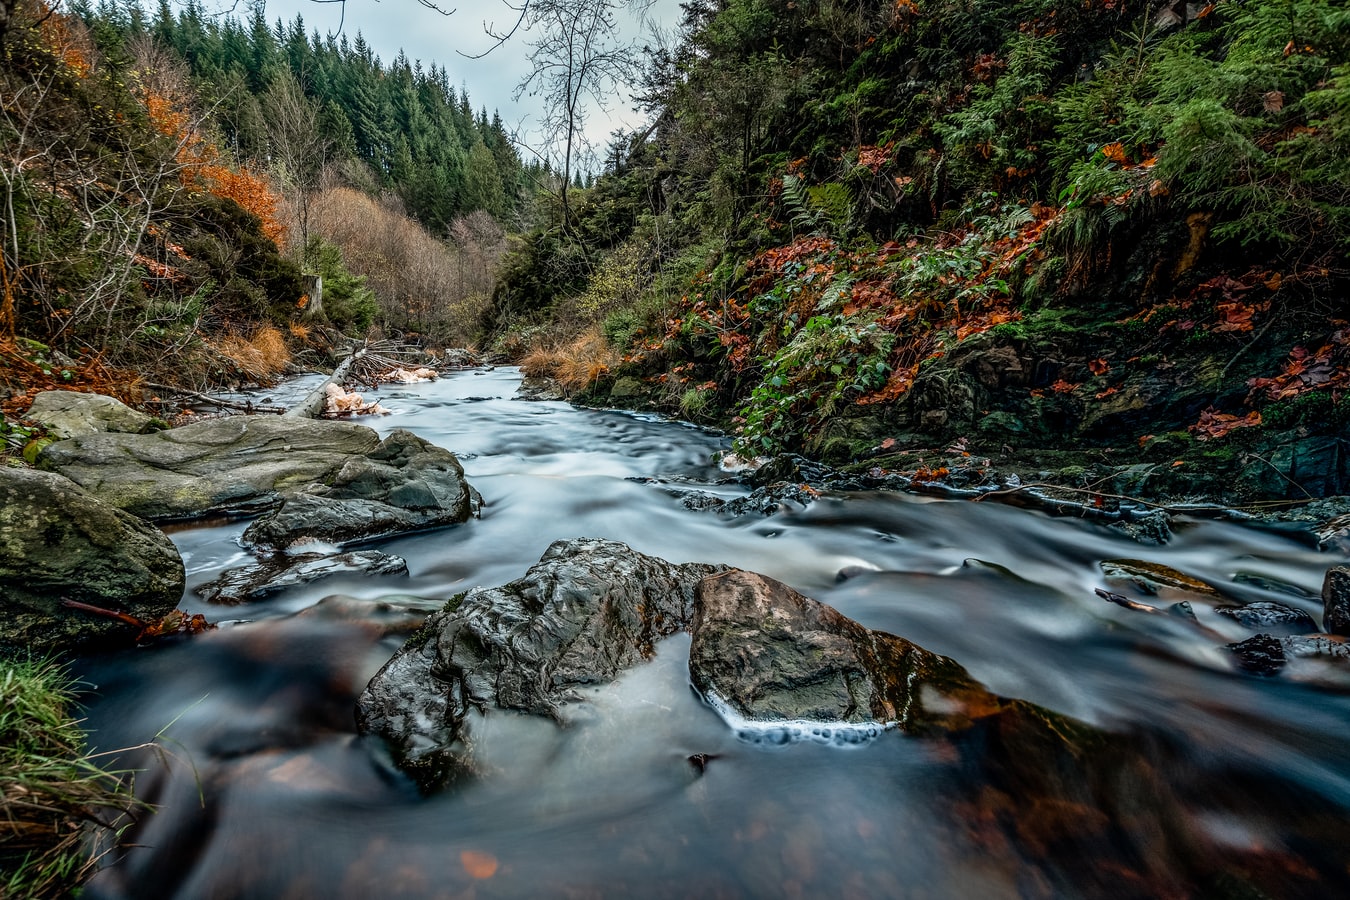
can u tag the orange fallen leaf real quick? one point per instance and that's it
(1179, 462)
(478, 864)
(1115, 152)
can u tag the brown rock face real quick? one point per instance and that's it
(770, 654)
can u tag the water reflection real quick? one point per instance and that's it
(1216, 784)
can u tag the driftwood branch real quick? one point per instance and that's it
(214, 401)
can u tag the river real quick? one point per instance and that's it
(245, 744)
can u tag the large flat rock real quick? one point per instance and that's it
(239, 464)
(68, 414)
(58, 542)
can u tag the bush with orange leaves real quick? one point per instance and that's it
(169, 102)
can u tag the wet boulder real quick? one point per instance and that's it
(246, 584)
(585, 612)
(68, 414)
(239, 464)
(403, 484)
(1268, 615)
(57, 542)
(1336, 600)
(1267, 655)
(764, 653)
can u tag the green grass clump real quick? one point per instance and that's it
(51, 795)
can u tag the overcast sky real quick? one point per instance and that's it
(426, 35)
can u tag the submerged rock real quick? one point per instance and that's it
(382, 616)
(768, 654)
(68, 414)
(404, 484)
(249, 583)
(585, 612)
(1150, 577)
(57, 542)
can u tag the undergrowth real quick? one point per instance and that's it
(53, 797)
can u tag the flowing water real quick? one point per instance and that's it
(1208, 782)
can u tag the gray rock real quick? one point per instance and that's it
(249, 583)
(1336, 600)
(768, 654)
(68, 414)
(586, 611)
(233, 465)
(1153, 528)
(404, 484)
(1267, 615)
(58, 541)
(540, 388)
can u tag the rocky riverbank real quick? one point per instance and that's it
(84, 527)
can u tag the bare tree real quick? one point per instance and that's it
(298, 149)
(580, 58)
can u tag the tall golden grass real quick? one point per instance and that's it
(260, 357)
(576, 365)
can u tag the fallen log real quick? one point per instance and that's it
(313, 405)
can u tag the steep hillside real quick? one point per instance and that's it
(1113, 228)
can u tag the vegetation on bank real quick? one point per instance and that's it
(197, 200)
(1039, 223)
(54, 799)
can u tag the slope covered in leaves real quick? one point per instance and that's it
(1105, 224)
(129, 240)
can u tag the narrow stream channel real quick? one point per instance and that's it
(263, 788)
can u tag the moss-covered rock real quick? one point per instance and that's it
(58, 542)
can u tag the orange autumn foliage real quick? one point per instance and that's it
(68, 39)
(203, 168)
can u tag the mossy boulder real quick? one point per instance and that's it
(59, 542)
(68, 414)
(240, 464)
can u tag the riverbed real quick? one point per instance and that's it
(245, 740)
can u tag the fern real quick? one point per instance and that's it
(798, 201)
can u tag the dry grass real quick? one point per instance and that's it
(50, 794)
(260, 358)
(576, 365)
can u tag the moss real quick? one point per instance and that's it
(422, 636)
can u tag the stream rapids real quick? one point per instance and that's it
(244, 743)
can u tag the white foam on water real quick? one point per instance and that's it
(781, 732)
